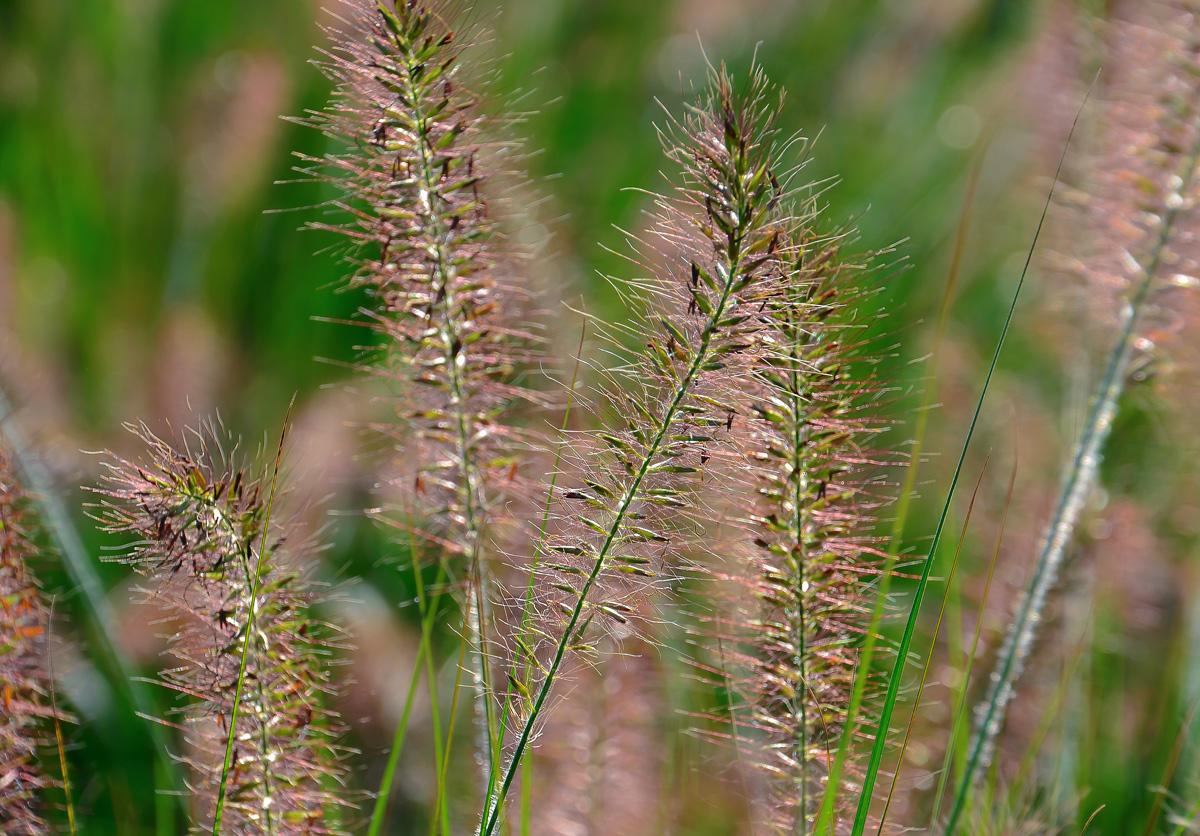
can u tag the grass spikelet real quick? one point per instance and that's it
(1144, 215)
(712, 269)
(802, 554)
(25, 683)
(421, 183)
(197, 513)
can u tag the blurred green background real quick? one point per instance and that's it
(145, 275)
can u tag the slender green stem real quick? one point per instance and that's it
(960, 705)
(937, 629)
(428, 613)
(824, 823)
(440, 800)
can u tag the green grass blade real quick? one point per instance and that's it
(824, 822)
(1077, 487)
(960, 705)
(428, 613)
(1164, 783)
(933, 644)
(441, 796)
(893, 688)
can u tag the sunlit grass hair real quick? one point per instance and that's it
(710, 267)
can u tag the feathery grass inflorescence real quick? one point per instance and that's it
(1144, 217)
(421, 181)
(630, 511)
(804, 555)
(231, 580)
(25, 704)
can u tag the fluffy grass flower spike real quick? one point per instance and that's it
(805, 557)
(24, 679)
(199, 517)
(421, 183)
(712, 270)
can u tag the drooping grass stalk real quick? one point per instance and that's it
(219, 562)
(420, 183)
(26, 685)
(893, 686)
(632, 501)
(1176, 195)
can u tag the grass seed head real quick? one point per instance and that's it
(196, 513)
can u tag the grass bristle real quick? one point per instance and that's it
(631, 510)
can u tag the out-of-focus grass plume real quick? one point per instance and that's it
(26, 710)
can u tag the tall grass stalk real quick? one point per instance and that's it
(810, 562)
(422, 180)
(613, 531)
(902, 651)
(937, 629)
(1177, 195)
(959, 712)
